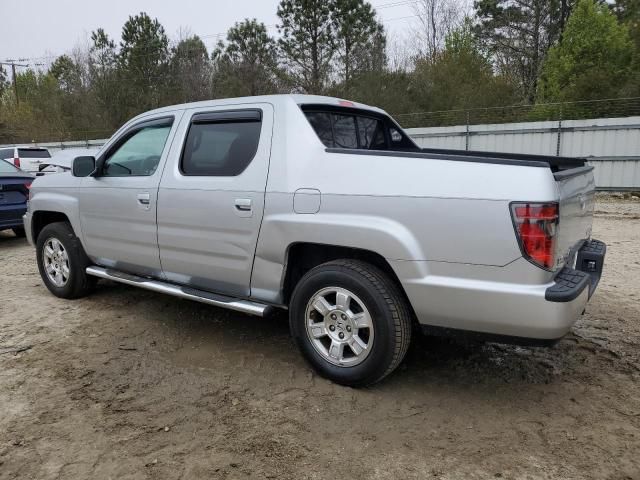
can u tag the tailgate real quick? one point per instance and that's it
(577, 189)
(31, 158)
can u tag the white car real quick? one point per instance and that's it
(26, 158)
(61, 160)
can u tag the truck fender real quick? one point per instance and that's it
(386, 237)
(58, 202)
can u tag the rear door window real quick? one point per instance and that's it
(6, 153)
(221, 144)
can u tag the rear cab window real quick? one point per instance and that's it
(33, 153)
(352, 128)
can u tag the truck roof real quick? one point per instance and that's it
(274, 99)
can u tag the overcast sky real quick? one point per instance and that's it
(41, 29)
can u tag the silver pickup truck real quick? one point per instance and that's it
(326, 208)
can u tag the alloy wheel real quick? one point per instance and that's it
(56, 262)
(339, 326)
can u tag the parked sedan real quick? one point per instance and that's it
(14, 193)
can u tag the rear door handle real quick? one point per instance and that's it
(144, 199)
(243, 204)
(243, 207)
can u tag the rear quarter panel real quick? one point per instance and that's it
(405, 209)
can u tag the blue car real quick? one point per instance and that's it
(14, 194)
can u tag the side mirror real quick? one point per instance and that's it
(83, 166)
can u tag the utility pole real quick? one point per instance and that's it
(13, 72)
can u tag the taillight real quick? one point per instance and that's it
(537, 226)
(28, 187)
(16, 162)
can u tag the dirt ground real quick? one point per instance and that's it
(132, 384)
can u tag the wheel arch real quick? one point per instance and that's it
(42, 218)
(379, 240)
(49, 206)
(300, 257)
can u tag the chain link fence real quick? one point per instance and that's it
(605, 108)
(12, 136)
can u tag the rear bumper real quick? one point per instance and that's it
(570, 282)
(541, 313)
(11, 216)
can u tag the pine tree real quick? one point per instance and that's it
(247, 63)
(307, 44)
(593, 59)
(359, 38)
(518, 34)
(143, 61)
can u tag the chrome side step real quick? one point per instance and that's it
(245, 306)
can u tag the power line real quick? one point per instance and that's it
(13, 65)
(549, 104)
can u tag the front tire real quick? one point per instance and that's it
(19, 232)
(350, 321)
(62, 262)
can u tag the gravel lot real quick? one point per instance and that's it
(132, 384)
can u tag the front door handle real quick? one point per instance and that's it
(144, 199)
(243, 204)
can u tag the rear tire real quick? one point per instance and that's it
(350, 321)
(19, 232)
(62, 262)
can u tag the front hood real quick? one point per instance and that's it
(59, 180)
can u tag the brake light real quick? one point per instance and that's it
(28, 187)
(537, 227)
(16, 162)
(346, 103)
